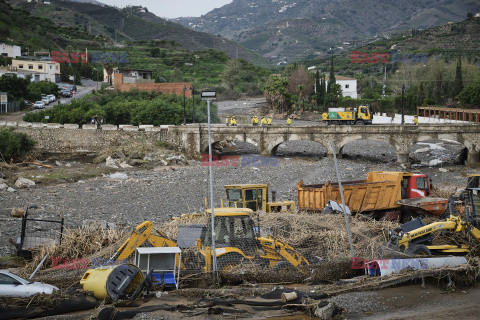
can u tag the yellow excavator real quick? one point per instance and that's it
(236, 240)
(414, 237)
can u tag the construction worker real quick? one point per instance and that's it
(227, 121)
(269, 121)
(415, 120)
(254, 121)
(289, 121)
(263, 121)
(233, 122)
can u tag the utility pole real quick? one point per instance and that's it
(184, 114)
(403, 104)
(193, 103)
(384, 82)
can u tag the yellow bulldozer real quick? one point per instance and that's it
(255, 197)
(416, 238)
(237, 239)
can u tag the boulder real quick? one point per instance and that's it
(111, 163)
(327, 310)
(9, 189)
(119, 175)
(3, 186)
(125, 165)
(436, 153)
(23, 183)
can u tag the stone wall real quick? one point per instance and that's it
(70, 137)
(166, 88)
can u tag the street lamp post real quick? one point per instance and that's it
(184, 114)
(209, 96)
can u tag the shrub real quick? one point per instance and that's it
(14, 145)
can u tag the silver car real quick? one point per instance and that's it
(39, 105)
(12, 285)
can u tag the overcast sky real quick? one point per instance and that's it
(172, 8)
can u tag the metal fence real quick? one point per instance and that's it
(12, 106)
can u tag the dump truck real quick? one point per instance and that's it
(379, 193)
(255, 197)
(236, 240)
(359, 116)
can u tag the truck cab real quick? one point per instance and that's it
(415, 186)
(255, 197)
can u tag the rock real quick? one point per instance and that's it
(23, 183)
(125, 165)
(327, 310)
(17, 212)
(118, 155)
(119, 175)
(32, 206)
(81, 181)
(443, 170)
(9, 189)
(163, 162)
(111, 163)
(68, 165)
(58, 163)
(3, 186)
(435, 153)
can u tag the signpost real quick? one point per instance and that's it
(4, 101)
(209, 96)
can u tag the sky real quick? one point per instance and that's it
(172, 9)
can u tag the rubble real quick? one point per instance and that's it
(23, 183)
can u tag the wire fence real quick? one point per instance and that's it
(12, 106)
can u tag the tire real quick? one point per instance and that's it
(359, 123)
(228, 261)
(334, 123)
(419, 250)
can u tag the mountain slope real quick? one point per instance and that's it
(120, 26)
(19, 27)
(305, 28)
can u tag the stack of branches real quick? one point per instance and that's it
(170, 228)
(325, 235)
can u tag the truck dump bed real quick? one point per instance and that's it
(381, 191)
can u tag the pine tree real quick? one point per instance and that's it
(458, 84)
(331, 78)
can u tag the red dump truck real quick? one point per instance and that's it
(383, 192)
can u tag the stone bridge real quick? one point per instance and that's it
(194, 138)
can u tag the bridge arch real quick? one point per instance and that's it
(300, 147)
(380, 150)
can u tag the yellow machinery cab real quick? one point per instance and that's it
(255, 197)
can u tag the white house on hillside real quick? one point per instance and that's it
(349, 86)
(7, 50)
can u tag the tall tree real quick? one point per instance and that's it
(331, 78)
(458, 84)
(420, 94)
(318, 88)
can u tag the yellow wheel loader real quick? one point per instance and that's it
(236, 240)
(255, 197)
(415, 237)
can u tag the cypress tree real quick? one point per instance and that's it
(331, 78)
(318, 88)
(458, 85)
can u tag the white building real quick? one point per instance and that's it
(349, 86)
(7, 50)
(38, 70)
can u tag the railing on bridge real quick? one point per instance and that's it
(470, 115)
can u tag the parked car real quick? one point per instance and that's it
(46, 101)
(12, 285)
(52, 97)
(39, 105)
(67, 93)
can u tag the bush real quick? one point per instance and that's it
(14, 145)
(133, 107)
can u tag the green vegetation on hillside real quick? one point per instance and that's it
(19, 27)
(132, 107)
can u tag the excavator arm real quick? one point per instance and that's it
(141, 234)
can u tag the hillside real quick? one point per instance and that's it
(292, 29)
(19, 27)
(121, 25)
